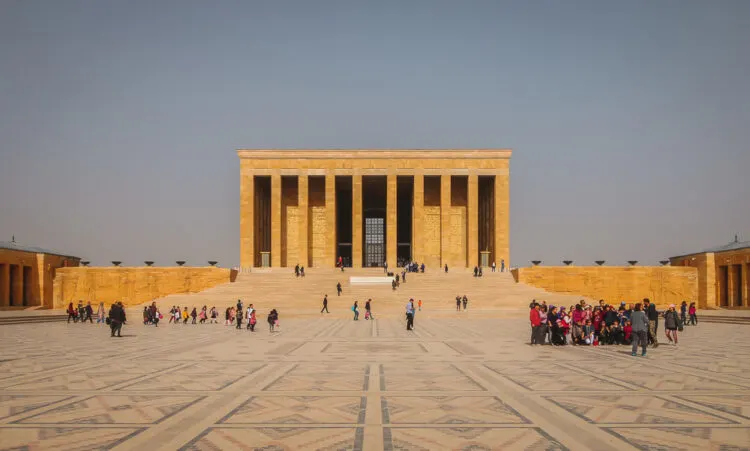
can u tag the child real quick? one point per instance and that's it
(627, 331)
(617, 337)
(419, 303)
(588, 332)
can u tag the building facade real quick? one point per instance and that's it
(369, 207)
(723, 274)
(27, 274)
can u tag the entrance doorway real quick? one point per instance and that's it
(374, 221)
(723, 286)
(738, 301)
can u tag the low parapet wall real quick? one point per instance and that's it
(662, 284)
(133, 285)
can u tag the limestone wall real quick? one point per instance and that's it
(133, 285)
(662, 284)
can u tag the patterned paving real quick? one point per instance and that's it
(333, 384)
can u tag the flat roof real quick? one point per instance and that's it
(375, 153)
(733, 246)
(13, 246)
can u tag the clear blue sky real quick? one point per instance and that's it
(629, 120)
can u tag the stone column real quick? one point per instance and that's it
(711, 296)
(303, 211)
(247, 219)
(276, 220)
(390, 221)
(472, 218)
(4, 285)
(417, 221)
(330, 255)
(357, 221)
(18, 286)
(502, 220)
(445, 205)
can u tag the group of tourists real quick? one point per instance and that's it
(582, 324)
(460, 300)
(85, 313)
(299, 271)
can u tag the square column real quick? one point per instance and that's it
(445, 218)
(472, 218)
(390, 221)
(330, 255)
(417, 220)
(303, 211)
(4, 285)
(276, 220)
(357, 221)
(247, 220)
(502, 221)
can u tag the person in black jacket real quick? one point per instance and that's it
(653, 321)
(116, 318)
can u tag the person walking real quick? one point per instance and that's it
(671, 324)
(683, 312)
(89, 313)
(185, 316)
(338, 289)
(692, 311)
(502, 265)
(116, 319)
(640, 324)
(239, 319)
(653, 321)
(325, 305)
(493, 266)
(252, 320)
(100, 313)
(419, 303)
(410, 315)
(273, 320)
(248, 314)
(72, 313)
(81, 312)
(465, 300)
(355, 309)
(446, 268)
(368, 310)
(458, 303)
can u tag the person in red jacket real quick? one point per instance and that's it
(536, 321)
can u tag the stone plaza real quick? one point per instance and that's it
(469, 381)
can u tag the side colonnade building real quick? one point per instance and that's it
(371, 207)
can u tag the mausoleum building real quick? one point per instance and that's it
(369, 207)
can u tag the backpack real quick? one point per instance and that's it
(353, 308)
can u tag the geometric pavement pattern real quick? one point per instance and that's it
(336, 384)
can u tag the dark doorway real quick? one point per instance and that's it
(3, 285)
(344, 219)
(738, 301)
(404, 202)
(26, 297)
(486, 221)
(723, 286)
(262, 220)
(373, 217)
(12, 299)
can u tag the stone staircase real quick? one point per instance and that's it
(494, 294)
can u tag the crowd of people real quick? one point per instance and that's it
(604, 324)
